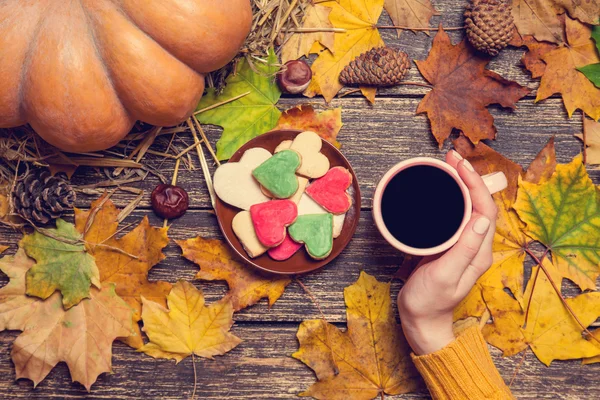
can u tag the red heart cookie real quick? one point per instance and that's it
(270, 220)
(285, 250)
(330, 190)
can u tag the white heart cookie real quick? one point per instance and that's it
(244, 230)
(309, 206)
(286, 144)
(308, 144)
(234, 183)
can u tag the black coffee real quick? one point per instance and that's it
(422, 206)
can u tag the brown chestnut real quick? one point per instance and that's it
(169, 201)
(294, 77)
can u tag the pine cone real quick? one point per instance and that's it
(380, 66)
(489, 25)
(41, 197)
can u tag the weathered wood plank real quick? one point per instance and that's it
(261, 368)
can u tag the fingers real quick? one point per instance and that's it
(483, 202)
(452, 158)
(455, 262)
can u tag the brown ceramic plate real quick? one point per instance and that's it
(300, 262)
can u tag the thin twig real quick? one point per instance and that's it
(206, 142)
(518, 367)
(173, 183)
(222, 102)
(203, 164)
(195, 376)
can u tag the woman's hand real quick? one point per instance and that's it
(437, 286)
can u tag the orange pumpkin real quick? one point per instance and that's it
(81, 72)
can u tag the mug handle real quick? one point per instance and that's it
(495, 182)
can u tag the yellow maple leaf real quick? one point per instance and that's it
(359, 19)
(301, 44)
(367, 360)
(410, 13)
(563, 214)
(550, 331)
(188, 326)
(218, 262)
(124, 261)
(82, 336)
(509, 241)
(561, 74)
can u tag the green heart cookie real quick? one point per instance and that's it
(278, 174)
(316, 232)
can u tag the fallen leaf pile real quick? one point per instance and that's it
(124, 261)
(370, 359)
(558, 207)
(81, 336)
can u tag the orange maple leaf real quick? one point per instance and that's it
(561, 74)
(125, 261)
(326, 124)
(218, 263)
(462, 89)
(533, 58)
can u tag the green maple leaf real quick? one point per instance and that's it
(61, 264)
(592, 71)
(563, 214)
(249, 116)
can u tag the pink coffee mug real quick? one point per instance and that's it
(495, 182)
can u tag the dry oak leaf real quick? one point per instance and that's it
(370, 359)
(62, 264)
(550, 331)
(82, 336)
(509, 241)
(591, 139)
(563, 214)
(301, 44)
(326, 124)
(539, 17)
(247, 286)
(188, 326)
(410, 13)
(361, 35)
(114, 256)
(561, 74)
(462, 89)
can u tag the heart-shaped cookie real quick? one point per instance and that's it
(330, 190)
(270, 220)
(244, 230)
(285, 250)
(316, 232)
(309, 206)
(302, 182)
(308, 144)
(233, 181)
(278, 174)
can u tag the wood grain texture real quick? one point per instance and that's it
(374, 138)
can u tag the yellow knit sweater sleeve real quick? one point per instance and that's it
(463, 370)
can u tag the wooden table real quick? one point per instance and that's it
(373, 138)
